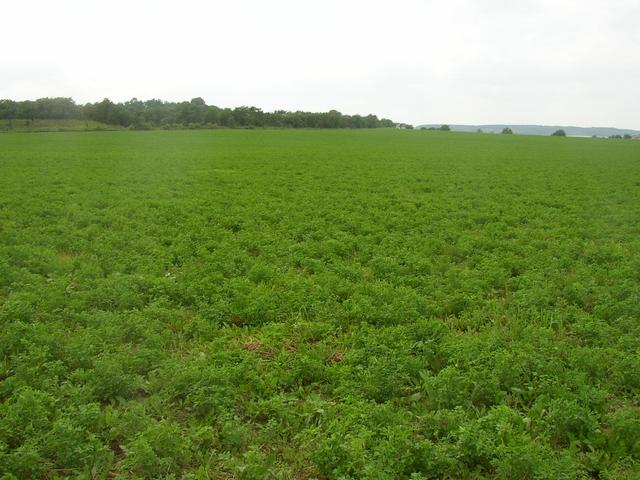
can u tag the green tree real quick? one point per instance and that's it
(194, 113)
(56, 108)
(559, 133)
(108, 112)
(27, 110)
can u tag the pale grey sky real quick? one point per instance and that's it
(564, 62)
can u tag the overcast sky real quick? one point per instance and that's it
(561, 62)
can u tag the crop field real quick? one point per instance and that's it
(264, 304)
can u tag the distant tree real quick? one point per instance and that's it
(8, 109)
(559, 133)
(445, 128)
(248, 116)
(479, 130)
(507, 131)
(195, 113)
(627, 136)
(616, 137)
(55, 108)
(28, 110)
(108, 112)
(386, 123)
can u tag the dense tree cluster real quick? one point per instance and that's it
(626, 136)
(195, 113)
(620, 137)
(442, 128)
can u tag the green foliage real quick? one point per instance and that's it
(318, 304)
(559, 133)
(159, 450)
(146, 115)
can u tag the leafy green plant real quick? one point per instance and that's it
(318, 304)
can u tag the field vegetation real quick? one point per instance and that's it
(328, 304)
(53, 125)
(157, 114)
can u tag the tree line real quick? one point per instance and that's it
(149, 114)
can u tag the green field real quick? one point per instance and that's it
(45, 125)
(375, 304)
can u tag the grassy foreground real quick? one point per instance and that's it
(318, 304)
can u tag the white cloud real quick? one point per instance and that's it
(458, 61)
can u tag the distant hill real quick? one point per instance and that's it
(540, 129)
